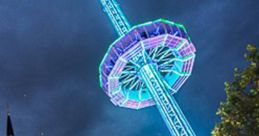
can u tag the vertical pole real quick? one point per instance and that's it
(118, 19)
(166, 104)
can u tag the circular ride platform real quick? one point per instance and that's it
(165, 43)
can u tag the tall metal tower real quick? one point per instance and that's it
(146, 65)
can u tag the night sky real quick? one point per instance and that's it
(50, 51)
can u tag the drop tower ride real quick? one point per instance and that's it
(146, 65)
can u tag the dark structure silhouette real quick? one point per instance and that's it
(9, 126)
(9, 129)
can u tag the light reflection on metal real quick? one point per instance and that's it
(146, 65)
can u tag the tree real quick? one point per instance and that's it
(240, 112)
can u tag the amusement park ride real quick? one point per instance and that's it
(146, 65)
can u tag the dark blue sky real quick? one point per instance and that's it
(50, 51)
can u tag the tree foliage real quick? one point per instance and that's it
(240, 112)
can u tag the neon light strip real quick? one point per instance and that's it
(119, 21)
(166, 104)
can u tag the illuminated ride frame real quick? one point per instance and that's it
(147, 65)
